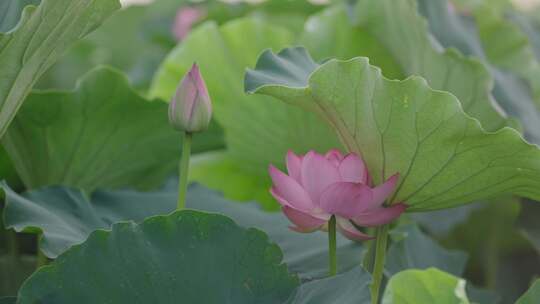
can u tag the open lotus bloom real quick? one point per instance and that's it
(319, 186)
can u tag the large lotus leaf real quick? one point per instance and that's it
(392, 33)
(57, 212)
(425, 287)
(41, 36)
(532, 295)
(454, 30)
(102, 134)
(412, 249)
(67, 216)
(444, 156)
(189, 255)
(112, 44)
(10, 12)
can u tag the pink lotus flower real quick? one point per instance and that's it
(184, 20)
(318, 187)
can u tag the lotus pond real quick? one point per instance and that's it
(269, 152)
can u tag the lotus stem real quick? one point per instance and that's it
(184, 171)
(380, 244)
(332, 261)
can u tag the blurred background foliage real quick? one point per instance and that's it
(501, 239)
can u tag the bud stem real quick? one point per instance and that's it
(184, 171)
(332, 261)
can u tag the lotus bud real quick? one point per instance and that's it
(190, 109)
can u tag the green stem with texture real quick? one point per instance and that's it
(184, 171)
(380, 244)
(332, 244)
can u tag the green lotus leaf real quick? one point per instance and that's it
(330, 33)
(425, 287)
(444, 156)
(145, 28)
(40, 37)
(146, 257)
(189, 255)
(392, 33)
(66, 216)
(102, 134)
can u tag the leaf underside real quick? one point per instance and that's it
(102, 134)
(444, 157)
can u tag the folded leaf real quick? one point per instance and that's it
(444, 156)
(41, 36)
